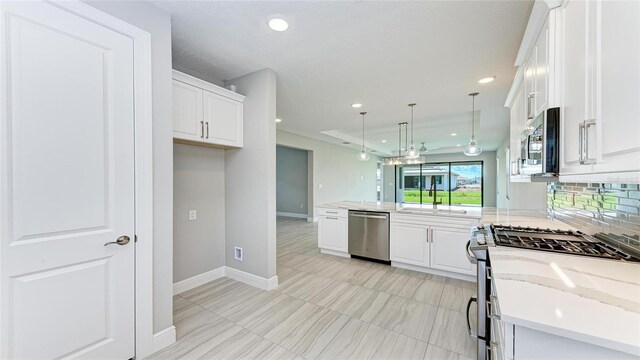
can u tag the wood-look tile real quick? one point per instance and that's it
(455, 297)
(408, 317)
(430, 291)
(326, 307)
(197, 334)
(308, 331)
(437, 353)
(183, 308)
(450, 332)
(266, 317)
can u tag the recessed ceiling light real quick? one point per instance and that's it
(458, 145)
(278, 120)
(486, 80)
(278, 24)
(383, 141)
(356, 105)
(454, 134)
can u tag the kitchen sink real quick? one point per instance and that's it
(433, 211)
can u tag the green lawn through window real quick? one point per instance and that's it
(458, 197)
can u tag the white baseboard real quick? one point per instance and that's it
(195, 281)
(164, 338)
(312, 219)
(251, 279)
(450, 274)
(335, 253)
(291, 215)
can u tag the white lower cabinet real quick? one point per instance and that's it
(409, 244)
(434, 243)
(333, 233)
(448, 250)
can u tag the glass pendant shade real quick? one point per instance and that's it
(412, 153)
(363, 155)
(472, 149)
(423, 149)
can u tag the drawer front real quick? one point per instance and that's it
(333, 212)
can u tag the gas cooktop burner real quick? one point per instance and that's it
(560, 241)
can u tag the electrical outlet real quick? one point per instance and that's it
(237, 253)
(193, 215)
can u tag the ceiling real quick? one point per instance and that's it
(381, 54)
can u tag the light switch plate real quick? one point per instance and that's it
(193, 215)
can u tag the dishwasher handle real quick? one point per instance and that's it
(367, 216)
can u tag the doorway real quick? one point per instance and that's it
(294, 178)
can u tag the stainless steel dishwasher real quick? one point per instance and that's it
(369, 234)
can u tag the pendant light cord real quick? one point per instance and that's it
(363, 114)
(412, 139)
(473, 115)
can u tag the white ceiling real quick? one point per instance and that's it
(382, 54)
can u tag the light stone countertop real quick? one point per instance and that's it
(596, 301)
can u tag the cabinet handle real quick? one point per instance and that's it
(202, 130)
(530, 106)
(207, 129)
(581, 143)
(587, 125)
(331, 218)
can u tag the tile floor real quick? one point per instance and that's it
(326, 307)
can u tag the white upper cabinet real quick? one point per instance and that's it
(601, 88)
(187, 112)
(541, 78)
(205, 113)
(223, 120)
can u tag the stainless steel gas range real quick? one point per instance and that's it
(557, 241)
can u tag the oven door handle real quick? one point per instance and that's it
(472, 333)
(470, 256)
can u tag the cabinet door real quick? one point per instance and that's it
(541, 70)
(332, 233)
(574, 80)
(618, 87)
(187, 112)
(410, 244)
(516, 126)
(448, 250)
(223, 120)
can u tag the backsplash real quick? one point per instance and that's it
(609, 210)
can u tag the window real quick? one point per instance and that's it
(449, 183)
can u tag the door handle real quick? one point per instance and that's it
(122, 240)
(202, 129)
(207, 129)
(472, 333)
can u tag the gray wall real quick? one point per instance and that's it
(155, 21)
(198, 184)
(530, 196)
(291, 180)
(250, 172)
(337, 173)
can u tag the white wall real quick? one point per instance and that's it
(250, 178)
(335, 168)
(521, 195)
(198, 184)
(155, 21)
(291, 181)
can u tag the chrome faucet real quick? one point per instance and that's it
(435, 192)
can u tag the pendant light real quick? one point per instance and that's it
(363, 155)
(412, 152)
(473, 149)
(423, 149)
(402, 159)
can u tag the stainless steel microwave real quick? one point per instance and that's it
(540, 146)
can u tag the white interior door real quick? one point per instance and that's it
(66, 186)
